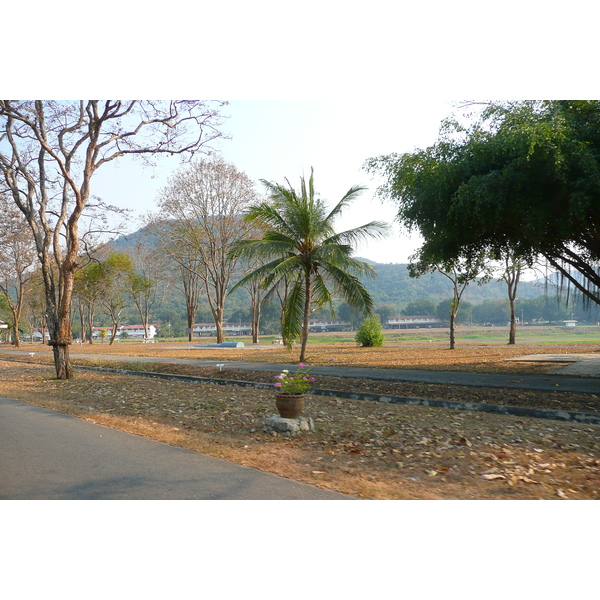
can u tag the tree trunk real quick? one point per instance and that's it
(82, 321)
(220, 332)
(255, 324)
(190, 325)
(256, 310)
(16, 341)
(62, 363)
(60, 339)
(512, 335)
(113, 333)
(452, 324)
(308, 287)
(90, 326)
(217, 313)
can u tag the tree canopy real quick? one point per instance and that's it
(299, 243)
(523, 178)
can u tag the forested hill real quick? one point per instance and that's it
(395, 286)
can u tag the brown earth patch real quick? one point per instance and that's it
(365, 449)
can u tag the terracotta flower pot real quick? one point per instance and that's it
(290, 406)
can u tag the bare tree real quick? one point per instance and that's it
(206, 201)
(258, 296)
(511, 275)
(17, 257)
(49, 152)
(183, 265)
(191, 284)
(460, 272)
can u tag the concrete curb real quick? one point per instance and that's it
(517, 411)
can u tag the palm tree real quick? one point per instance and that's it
(300, 244)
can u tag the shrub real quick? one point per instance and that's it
(370, 333)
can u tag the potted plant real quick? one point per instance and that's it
(289, 391)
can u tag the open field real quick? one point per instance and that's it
(361, 448)
(486, 354)
(466, 334)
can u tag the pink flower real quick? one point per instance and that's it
(312, 379)
(302, 365)
(278, 384)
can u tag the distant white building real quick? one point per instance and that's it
(570, 323)
(132, 332)
(415, 321)
(323, 325)
(136, 332)
(3, 326)
(233, 329)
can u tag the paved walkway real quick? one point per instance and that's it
(46, 455)
(580, 365)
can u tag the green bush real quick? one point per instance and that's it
(370, 333)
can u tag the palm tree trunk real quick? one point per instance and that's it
(307, 303)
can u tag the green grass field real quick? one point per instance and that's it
(585, 334)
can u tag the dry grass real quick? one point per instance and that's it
(365, 449)
(466, 357)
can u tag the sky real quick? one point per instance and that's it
(279, 139)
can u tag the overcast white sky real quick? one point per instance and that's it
(278, 139)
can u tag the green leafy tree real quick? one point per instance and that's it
(145, 285)
(423, 306)
(491, 311)
(117, 271)
(300, 244)
(87, 291)
(370, 333)
(17, 257)
(524, 176)
(350, 314)
(385, 311)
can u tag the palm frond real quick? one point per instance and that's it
(258, 275)
(350, 288)
(348, 197)
(294, 312)
(321, 294)
(372, 230)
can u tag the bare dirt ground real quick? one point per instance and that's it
(485, 358)
(365, 449)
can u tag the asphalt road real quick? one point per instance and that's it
(46, 455)
(546, 382)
